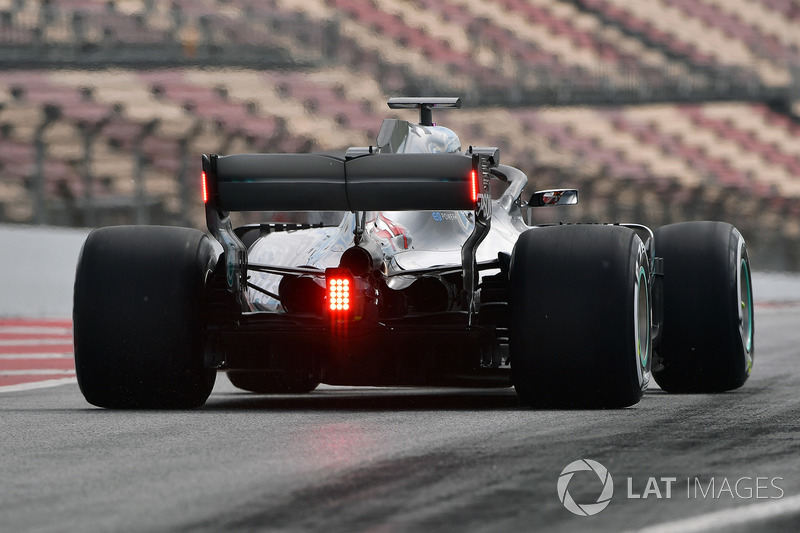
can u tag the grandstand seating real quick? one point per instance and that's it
(351, 55)
(467, 45)
(28, 93)
(740, 145)
(787, 8)
(769, 37)
(692, 30)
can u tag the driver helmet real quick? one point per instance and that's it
(431, 140)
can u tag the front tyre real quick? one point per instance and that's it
(138, 317)
(581, 324)
(707, 343)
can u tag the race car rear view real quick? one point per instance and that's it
(431, 278)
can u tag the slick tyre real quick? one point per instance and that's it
(271, 382)
(138, 317)
(580, 332)
(707, 341)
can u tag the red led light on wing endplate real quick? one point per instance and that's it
(474, 181)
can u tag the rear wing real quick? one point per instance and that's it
(315, 182)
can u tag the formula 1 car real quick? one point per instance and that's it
(430, 279)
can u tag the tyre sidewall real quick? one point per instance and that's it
(572, 335)
(702, 348)
(138, 317)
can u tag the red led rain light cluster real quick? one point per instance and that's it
(339, 294)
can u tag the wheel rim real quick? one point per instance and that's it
(746, 313)
(642, 319)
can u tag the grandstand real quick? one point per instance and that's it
(659, 110)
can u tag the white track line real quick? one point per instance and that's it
(37, 385)
(16, 356)
(37, 330)
(726, 518)
(37, 372)
(35, 342)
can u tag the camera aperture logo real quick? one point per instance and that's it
(596, 472)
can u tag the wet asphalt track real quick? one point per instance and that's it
(407, 460)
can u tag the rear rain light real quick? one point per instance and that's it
(339, 294)
(205, 187)
(348, 298)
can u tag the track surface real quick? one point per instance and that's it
(343, 459)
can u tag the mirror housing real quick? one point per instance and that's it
(553, 197)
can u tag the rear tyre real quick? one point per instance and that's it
(581, 317)
(271, 382)
(707, 343)
(138, 317)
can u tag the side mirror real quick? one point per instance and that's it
(553, 197)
